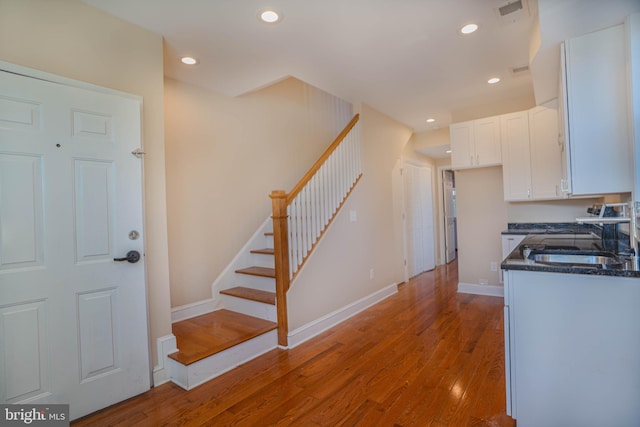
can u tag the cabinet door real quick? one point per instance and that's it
(487, 141)
(546, 155)
(597, 111)
(516, 162)
(461, 135)
(563, 127)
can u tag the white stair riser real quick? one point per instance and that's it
(254, 282)
(190, 376)
(249, 307)
(262, 260)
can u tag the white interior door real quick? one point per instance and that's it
(73, 322)
(449, 204)
(419, 210)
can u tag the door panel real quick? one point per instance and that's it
(94, 209)
(21, 215)
(97, 313)
(24, 338)
(74, 322)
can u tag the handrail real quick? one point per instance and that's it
(301, 217)
(321, 160)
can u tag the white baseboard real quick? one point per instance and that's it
(488, 290)
(192, 310)
(164, 345)
(310, 330)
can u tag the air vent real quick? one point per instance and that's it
(519, 71)
(513, 11)
(510, 8)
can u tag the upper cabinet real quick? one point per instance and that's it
(531, 154)
(594, 125)
(476, 143)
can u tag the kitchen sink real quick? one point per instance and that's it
(576, 259)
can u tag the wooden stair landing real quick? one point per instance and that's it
(251, 294)
(203, 336)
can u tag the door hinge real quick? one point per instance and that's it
(138, 153)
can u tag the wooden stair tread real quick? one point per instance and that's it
(203, 336)
(258, 271)
(265, 251)
(251, 294)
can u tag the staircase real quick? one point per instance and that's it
(250, 316)
(245, 328)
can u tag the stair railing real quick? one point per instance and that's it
(301, 216)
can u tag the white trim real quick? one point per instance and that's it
(188, 311)
(54, 78)
(312, 329)
(489, 290)
(164, 345)
(229, 274)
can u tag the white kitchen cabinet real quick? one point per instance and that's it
(595, 88)
(531, 154)
(633, 24)
(546, 152)
(572, 349)
(476, 143)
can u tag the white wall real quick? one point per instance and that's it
(70, 39)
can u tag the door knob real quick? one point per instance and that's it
(132, 257)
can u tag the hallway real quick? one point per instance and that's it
(426, 356)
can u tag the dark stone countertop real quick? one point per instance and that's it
(549, 228)
(566, 241)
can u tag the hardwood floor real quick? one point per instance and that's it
(426, 356)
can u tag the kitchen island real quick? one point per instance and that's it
(572, 336)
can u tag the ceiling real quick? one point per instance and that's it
(405, 58)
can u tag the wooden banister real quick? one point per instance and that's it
(321, 160)
(281, 253)
(308, 210)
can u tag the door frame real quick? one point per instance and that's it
(54, 78)
(441, 259)
(442, 244)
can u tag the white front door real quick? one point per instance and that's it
(73, 322)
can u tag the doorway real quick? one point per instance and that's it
(449, 215)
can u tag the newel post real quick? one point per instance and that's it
(281, 252)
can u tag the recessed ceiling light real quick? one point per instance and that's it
(270, 16)
(468, 29)
(189, 60)
(493, 80)
(448, 151)
(431, 120)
